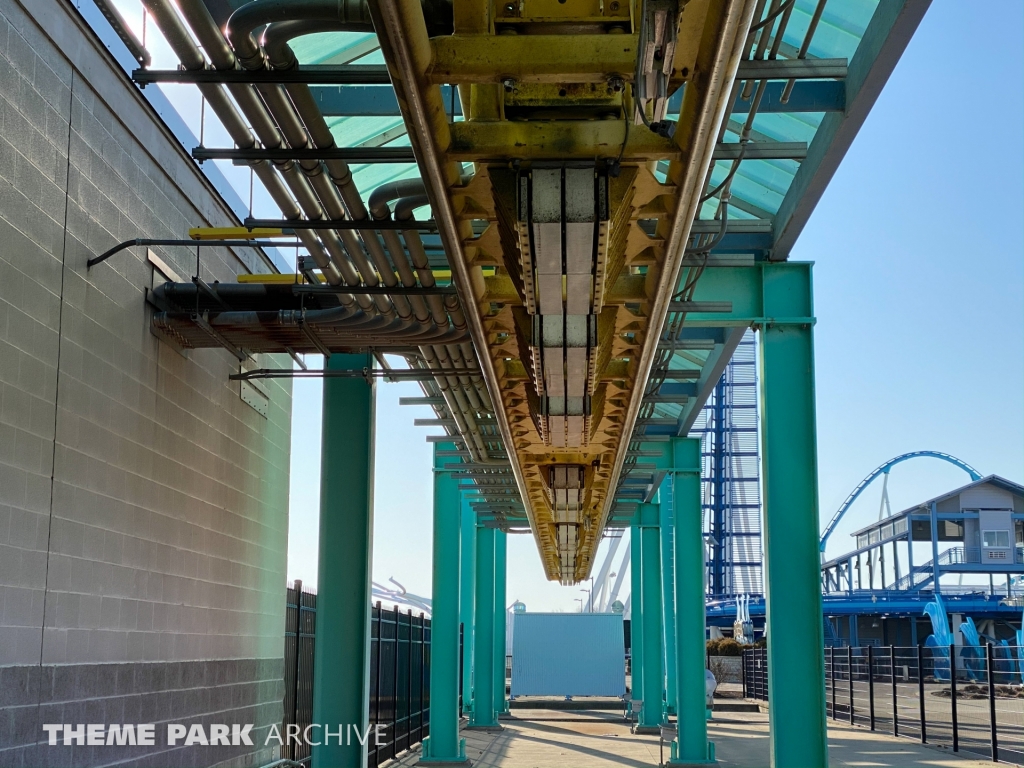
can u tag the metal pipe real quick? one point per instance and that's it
(473, 443)
(177, 241)
(812, 26)
(192, 58)
(313, 191)
(340, 15)
(303, 123)
(381, 211)
(465, 391)
(397, 23)
(712, 111)
(301, 120)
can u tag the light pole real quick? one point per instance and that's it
(580, 601)
(590, 605)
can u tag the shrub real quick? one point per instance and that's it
(729, 647)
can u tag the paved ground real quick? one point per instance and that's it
(550, 739)
(972, 715)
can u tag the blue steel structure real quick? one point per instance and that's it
(731, 478)
(773, 97)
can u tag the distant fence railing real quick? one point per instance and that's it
(399, 676)
(910, 692)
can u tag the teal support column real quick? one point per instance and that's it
(484, 715)
(636, 624)
(792, 565)
(467, 586)
(443, 745)
(666, 524)
(500, 594)
(653, 712)
(342, 656)
(691, 746)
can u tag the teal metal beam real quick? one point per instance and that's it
(710, 374)
(443, 745)
(691, 746)
(740, 290)
(500, 594)
(484, 715)
(636, 623)
(668, 532)
(380, 100)
(467, 601)
(886, 37)
(341, 692)
(792, 579)
(652, 714)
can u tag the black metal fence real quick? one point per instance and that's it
(399, 676)
(910, 692)
(299, 646)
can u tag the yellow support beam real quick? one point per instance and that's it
(236, 233)
(479, 59)
(272, 279)
(562, 139)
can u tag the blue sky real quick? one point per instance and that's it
(918, 246)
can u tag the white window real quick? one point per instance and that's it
(995, 538)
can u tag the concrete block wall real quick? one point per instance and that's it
(143, 504)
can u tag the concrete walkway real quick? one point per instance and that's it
(551, 739)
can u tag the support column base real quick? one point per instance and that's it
(647, 730)
(675, 761)
(442, 760)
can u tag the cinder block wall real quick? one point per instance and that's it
(143, 504)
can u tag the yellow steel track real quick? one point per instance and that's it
(546, 84)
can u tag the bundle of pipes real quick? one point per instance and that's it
(279, 116)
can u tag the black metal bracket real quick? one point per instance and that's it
(191, 243)
(393, 374)
(365, 224)
(349, 74)
(348, 154)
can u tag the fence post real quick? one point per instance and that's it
(764, 674)
(832, 676)
(871, 685)
(408, 684)
(377, 615)
(424, 678)
(952, 696)
(397, 700)
(743, 673)
(920, 691)
(992, 703)
(298, 654)
(895, 702)
(849, 671)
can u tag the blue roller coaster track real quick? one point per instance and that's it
(884, 470)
